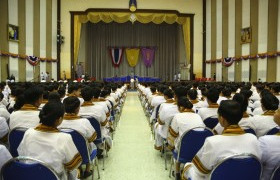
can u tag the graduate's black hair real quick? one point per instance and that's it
(87, 93)
(226, 92)
(184, 102)
(51, 112)
(269, 101)
(192, 93)
(242, 100)
(169, 93)
(153, 89)
(213, 95)
(180, 91)
(1, 96)
(96, 92)
(61, 91)
(54, 96)
(73, 87)
(104, 93)
(71, 103)
(231, 111)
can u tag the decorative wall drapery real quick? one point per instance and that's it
(163, 37)
(122, 17)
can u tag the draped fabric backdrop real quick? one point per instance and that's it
(102, 35)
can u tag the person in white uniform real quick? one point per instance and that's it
(3, 108)
(47, 144)
(270, 150)
(246, 121)
(211, 110)
(167, 111)
(26, 114)
(263, 123)
(74, 89)
(156, 101)
(71, 120)
(4, 130)
(88, 108)
(5, 155)
(182, 122)
(233, 141)
(225, 95)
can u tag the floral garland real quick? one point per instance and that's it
(31, 59)
(228, 61)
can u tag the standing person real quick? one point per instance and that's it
(80, 70)
(179, 76)
(214, 76)
(175, 77)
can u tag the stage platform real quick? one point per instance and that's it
(125, 79)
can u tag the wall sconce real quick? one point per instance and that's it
(132, 5)
(60, 39)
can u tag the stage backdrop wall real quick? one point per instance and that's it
(100, 36)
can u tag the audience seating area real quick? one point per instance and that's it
(164, 104)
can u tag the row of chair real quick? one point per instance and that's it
(248, 166)
(30, 168)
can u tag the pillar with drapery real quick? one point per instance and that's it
(122, 17)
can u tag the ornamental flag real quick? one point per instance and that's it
(148, 55)
(33, 60)
(132, 55)
(228, 61)
(116, 56)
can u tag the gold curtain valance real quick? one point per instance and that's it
(122, 17)
(108, 17)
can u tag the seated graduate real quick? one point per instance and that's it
(74, 89)
(47, 144)
(71, 120)
(156, 101)
(103, 97)
(259, 110)
(270, 148)
(182, 122)
(246, 121)
(45, 98)
(211, 110)
(233, 141)
(88, 108)
(167, 111)
(192, 95)
(26, 114)
(263, 123)
(225, 95)
(96, 93)
(5, 155)
(3, 109)
(276, 91)
(4, 130)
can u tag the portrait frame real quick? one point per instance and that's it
(13, 33)
(246, 35)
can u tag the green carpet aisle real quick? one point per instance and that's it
(132, 156)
